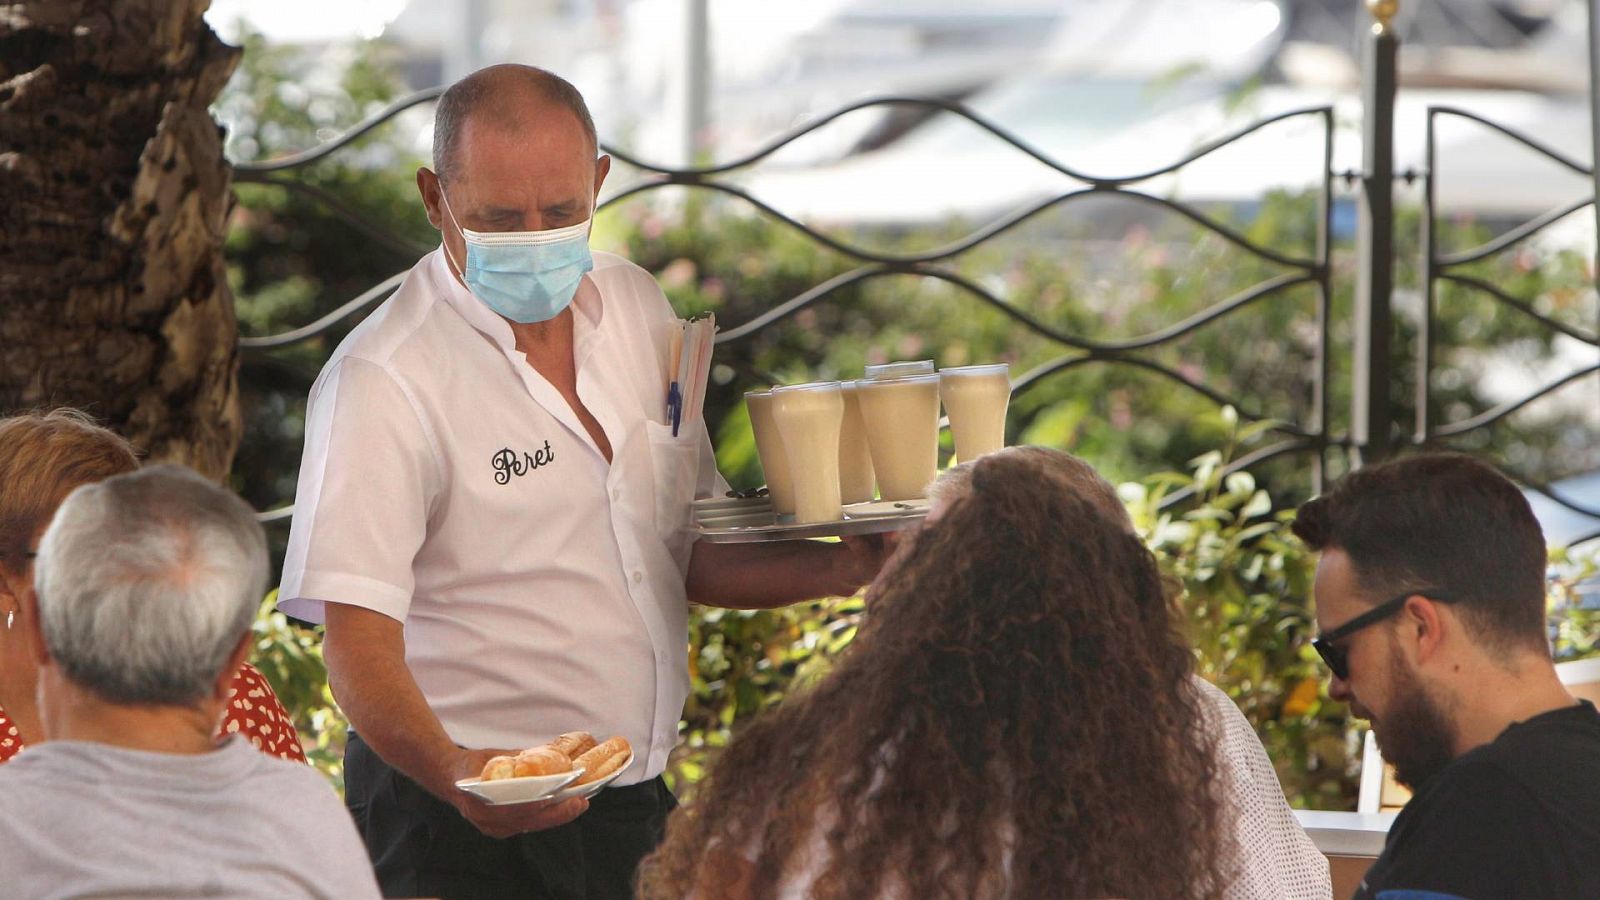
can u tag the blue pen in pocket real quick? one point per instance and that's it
(674, 391)
(674, 407)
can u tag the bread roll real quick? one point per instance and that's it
(542, 761)
(574, 743)
(603, 760)
(497, 768)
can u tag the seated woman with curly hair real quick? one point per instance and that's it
(43, 458)
(1017, 717)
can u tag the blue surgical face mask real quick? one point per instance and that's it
(526, 276)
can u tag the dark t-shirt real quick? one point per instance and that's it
(1518, 818)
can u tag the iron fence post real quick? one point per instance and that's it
(1320, 422)
(1594, 120)
(1372, 416)
(691, 90)
(1430, 271)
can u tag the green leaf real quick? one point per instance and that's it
(1260, 504)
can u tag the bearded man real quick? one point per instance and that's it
(1431, 607)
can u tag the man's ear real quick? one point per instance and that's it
(30, 615)
(231, 670)
(602, 167)
(1423, 627)
(428, 187)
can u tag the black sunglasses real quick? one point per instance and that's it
(1336, 657)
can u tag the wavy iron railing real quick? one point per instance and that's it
(1549, 493)
(363, 300)
(1437, 268)
(1308, 437)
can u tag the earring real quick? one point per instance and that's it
(10, 615)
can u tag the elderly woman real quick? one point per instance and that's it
(43, 458)
(1017, 717)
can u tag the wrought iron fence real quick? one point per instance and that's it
(1439, 266)
(1374, 429)
(1309, 437)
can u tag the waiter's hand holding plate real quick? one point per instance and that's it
(505, 820)
(574, 765)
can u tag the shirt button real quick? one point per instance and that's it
(638, 576)
(616, 493)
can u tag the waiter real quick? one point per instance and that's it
(493, 518)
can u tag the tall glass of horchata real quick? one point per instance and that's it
(809, 417)
(769, 447)
(855, 457)
(902, 419)
(975, 399)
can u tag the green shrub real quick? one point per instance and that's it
(1245, 594)
(290, 656)
(1243, 588)
(1243, 585)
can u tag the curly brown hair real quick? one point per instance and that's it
(1015, 718)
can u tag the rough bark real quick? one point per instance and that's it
(114, 194)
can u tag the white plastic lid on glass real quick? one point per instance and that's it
(809, 386)
(989, 369)
(899, 369)
(919, 378)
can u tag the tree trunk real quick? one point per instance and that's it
(113, 199)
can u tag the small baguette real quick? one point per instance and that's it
(574, 743)
(542, 761)
(498, 768)
(603, 760)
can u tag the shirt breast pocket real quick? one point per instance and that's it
(675, 462)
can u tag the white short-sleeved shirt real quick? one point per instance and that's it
(446, 484)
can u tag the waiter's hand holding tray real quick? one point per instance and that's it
(572, 765)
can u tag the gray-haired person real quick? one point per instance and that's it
(146, 585)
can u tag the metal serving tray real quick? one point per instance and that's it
(730, 525)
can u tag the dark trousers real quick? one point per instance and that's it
(421, 847)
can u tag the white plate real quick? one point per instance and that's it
(884, 508)
(527, 789)
(593, 787)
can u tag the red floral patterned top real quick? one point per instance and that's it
(253, 711)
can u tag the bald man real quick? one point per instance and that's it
(493, 518)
